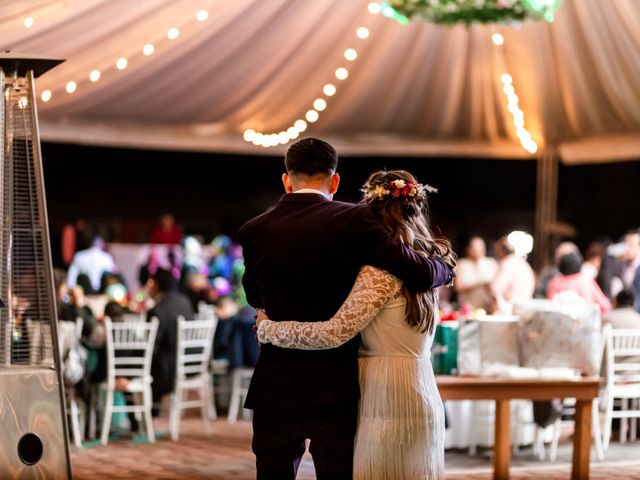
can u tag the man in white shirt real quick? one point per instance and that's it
(92, 262)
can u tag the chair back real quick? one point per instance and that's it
(130, 349)
(622, 355)
(205, 311)
(134, 317)
(194, 346)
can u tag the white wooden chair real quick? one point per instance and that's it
(239, 388)
(134, 317)
(73, 409)
(194, 346)
(622, 381)
(127, 338)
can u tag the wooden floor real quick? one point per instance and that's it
(226, 454)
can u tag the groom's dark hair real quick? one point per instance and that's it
(311, 156)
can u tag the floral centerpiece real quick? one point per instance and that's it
(468, 11)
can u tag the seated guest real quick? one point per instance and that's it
(551, 271)
(72, 303)
(572, 279)
(515, 279)
(92, 262)
(474, 275)
(623, 315)
(169, 305)
(166, 232)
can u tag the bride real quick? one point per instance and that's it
(401, 421)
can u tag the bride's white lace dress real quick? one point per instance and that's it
(401, 420)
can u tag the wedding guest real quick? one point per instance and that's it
(571, 278)
(170, 304)
(474, 275)
(551, 271)
(92, 262)
(166, 232)
(221, 263)
(72, 303)
(73, 238)
(515, 279)
(593, 259)
(630, 271)
(623, 315)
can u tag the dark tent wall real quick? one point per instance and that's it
(123, 191)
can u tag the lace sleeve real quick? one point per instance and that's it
(372, 290)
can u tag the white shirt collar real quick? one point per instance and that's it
(313, 190)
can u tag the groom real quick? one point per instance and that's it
(302, 258)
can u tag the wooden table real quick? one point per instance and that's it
(502, 390)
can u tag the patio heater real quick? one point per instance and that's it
(33, 433)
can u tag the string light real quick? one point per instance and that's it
(513, 105)
(342, 73)
(329, 90)
(518, 115)
(202, 15)
(312, 116)
(121, 63)
(319, 104)
(148, 49)
(173, 33)
(350, 54)
(362, 32)
(374, 8)
(28, 22)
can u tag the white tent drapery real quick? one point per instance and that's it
(419, 89)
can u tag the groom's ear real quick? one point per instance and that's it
(335, 182)
(286, 181)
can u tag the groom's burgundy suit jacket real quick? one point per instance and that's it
(302, 258)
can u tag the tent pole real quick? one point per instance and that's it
(546, 205)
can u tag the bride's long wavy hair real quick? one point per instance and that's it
(404, 209)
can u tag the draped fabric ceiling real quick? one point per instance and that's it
(419, 89)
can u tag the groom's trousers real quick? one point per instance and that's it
(279, 440)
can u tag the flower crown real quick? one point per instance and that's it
(396, 189)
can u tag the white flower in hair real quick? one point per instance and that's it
(399, 183)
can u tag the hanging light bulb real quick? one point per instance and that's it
(173, 33)
(497, 39)
(374, 8)
(319, 104)
(362, 32)
(300, 125)
(292, 133)
(506, 78)
(249, 135)
(202, 15)
(148, 49)
(312, 116)
(45, 95)
(329, 90)
(94, 76)
(71, 86)
(350, 54)
(122, 63)
(28, 22)
(342, 73)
